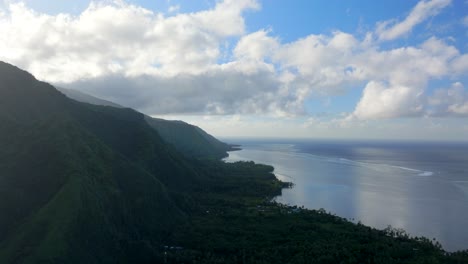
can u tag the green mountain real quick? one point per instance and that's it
(81, 183)
(188, 139)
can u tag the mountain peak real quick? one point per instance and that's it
(9, 73)
(24, 99)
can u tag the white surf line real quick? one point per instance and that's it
(420, 172)
(284, 177)
(374, 166)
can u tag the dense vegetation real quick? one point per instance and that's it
(238, 223)
(81, 183)
(188, 139)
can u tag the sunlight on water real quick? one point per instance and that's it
(420, 191)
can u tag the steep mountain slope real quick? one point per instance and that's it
(86, 98)
(188, 139)
(81, 183)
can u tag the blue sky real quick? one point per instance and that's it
(283, 17)
(319, 69)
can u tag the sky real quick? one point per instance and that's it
(335, 69)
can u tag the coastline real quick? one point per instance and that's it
(233, 147)
(259, 223)
(364, 217)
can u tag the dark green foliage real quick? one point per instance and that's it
(81, 183)
(237, 223)
(127, 133)
(78, 182)
(188, 139)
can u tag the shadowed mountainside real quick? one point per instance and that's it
(81, 183)
(78, 179)
(188, 139)
(86, 98)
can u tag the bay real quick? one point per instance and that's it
(421, 187)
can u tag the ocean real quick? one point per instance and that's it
(421, 187)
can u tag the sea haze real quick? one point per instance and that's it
(418, 186)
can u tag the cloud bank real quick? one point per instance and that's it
(207, 63)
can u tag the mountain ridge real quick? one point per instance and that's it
(86, 98)
(90, 172)
(190, 140)
(82, 183)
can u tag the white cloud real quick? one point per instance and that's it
(226, 18)
(321, 64)
(256, 46)
(398, 79)
(410, 65)
(252, 126)
(176, 64)
(173, 8)
(67, 48)
(389, 30)
(380, 100)
(221, 91)
(317, 52)
(460, 65)
(453, 100)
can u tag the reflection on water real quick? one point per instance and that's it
(376, 189)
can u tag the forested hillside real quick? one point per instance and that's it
(190, 140)
(82, 183)
(79, 182)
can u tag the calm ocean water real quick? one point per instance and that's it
(420, 187)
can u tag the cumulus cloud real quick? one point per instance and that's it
(391, 29)
(256, 46)
(65, 48)
(326, 55)
(176, 64)
(222, 91)
(399, 78)
(380, 100)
